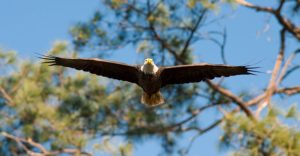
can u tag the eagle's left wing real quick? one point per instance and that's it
(110, 69)
(199, 72)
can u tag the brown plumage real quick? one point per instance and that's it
(148, 76)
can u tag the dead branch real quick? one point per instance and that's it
(272, 84)
(233, 97)
(286, 23)
(284, 69)
(289, 91)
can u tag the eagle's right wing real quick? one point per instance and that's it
(199, 72)
(100, 67)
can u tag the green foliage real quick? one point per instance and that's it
(7, 57)
(269, 136)
(146, 26)
(160, 16)
(210, 4)
(35, 93)
(292, 112)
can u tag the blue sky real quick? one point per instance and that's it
(32, 26)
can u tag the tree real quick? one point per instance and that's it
(55, 110)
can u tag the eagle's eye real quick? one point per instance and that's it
(148, 61)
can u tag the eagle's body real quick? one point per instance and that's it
(148, 76)
(149, 82)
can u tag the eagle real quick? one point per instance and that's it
(148, 76)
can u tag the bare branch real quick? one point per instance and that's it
(193, 30)
(286, 23)
(163, 43)
(289, 91)
(164, 129)
(194, 114)
(233, 97)
(280, 5)
(244, 2)
(272, 84)
(222, 47)
(201, 131)
(256, 99)
(284, 69)
(294, 68)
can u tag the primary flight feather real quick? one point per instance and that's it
(148, 76)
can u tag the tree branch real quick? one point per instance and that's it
(159, 129)
(7, 97)
(287, 24)
(44, 151)
(233, 97)
(163, 44)
(284, 69)
(192, 32)
(289, 91)
(272, 84)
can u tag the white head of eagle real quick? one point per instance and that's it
(149, 67)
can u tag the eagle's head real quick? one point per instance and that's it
(149, 67)
(148, 61)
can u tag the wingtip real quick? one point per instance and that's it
(47, 59)
(250, 70)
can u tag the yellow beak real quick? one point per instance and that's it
(149, 61)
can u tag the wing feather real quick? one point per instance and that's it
(100, 67)
(199, 72)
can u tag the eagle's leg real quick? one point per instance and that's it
(152, 99)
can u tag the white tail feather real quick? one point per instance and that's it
(153, 99)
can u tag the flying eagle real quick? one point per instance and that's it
(148, 76)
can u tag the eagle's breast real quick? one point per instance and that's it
(149, 82)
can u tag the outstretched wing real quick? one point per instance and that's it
(101, 67)
(199, 72)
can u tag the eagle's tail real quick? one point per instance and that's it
(153, 99)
